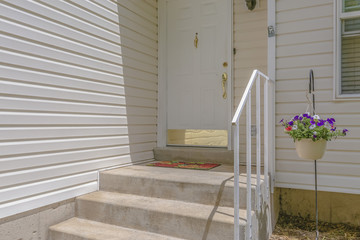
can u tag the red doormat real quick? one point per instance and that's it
(185, 165)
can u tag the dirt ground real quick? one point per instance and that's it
(291, 228)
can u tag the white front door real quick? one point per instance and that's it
(198, 54)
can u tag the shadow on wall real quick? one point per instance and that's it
(138, 41)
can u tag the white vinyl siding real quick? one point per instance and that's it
(305, 41)
(78, 93)
(250, 42)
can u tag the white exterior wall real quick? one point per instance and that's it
(78, 93)
(305, 40)
(250, 41)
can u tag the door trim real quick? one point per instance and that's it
(162, 73)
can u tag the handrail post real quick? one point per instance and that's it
(258, 142)
(248, 166)
(236, 182)
(266, 139)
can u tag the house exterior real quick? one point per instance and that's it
(80, 93)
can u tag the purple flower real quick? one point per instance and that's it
(281, 121)
(291, 123)
(345, 131)
(300, 118)
(306, 115)
(312, 122)
(296, 118)
(314, 136)
(320, 123)
(333, 129)
(330, 120)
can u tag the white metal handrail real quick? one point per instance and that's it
(246, 100)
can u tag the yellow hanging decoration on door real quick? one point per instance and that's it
(196, 40)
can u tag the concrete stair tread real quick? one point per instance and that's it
(174, 207)
(181, 175)
(81, 229)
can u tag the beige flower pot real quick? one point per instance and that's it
(309, 150)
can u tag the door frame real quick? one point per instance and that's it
(162, 73)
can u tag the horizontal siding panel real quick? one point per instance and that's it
(250, 37)
(48, 159)
(11, 133)
(18, 104)
(284, 5)
(32, 189)
(302, 61)
(108, 5)
(152, 3)
(52, 66)
(253, 25)
(302, 166)
(305, 49)
(26, 147)
(44, 92)
(35, 119)
(252, 63)
(41, 200)
(305, 25)
(300, 96)
(304, 37)
(97, 9)
(254, 43)
(291, 85)
(28, 76)
(303, 73)
(329, 181)
(325, 107)
(298, 14)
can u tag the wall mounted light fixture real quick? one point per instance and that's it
(250, 4)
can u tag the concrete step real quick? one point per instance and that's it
(81, 229)
(162, 216)
(204, 187)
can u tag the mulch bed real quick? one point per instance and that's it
(294, 227)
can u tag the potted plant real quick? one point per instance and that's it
(311, 133)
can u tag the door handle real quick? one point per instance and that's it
(224, 77)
